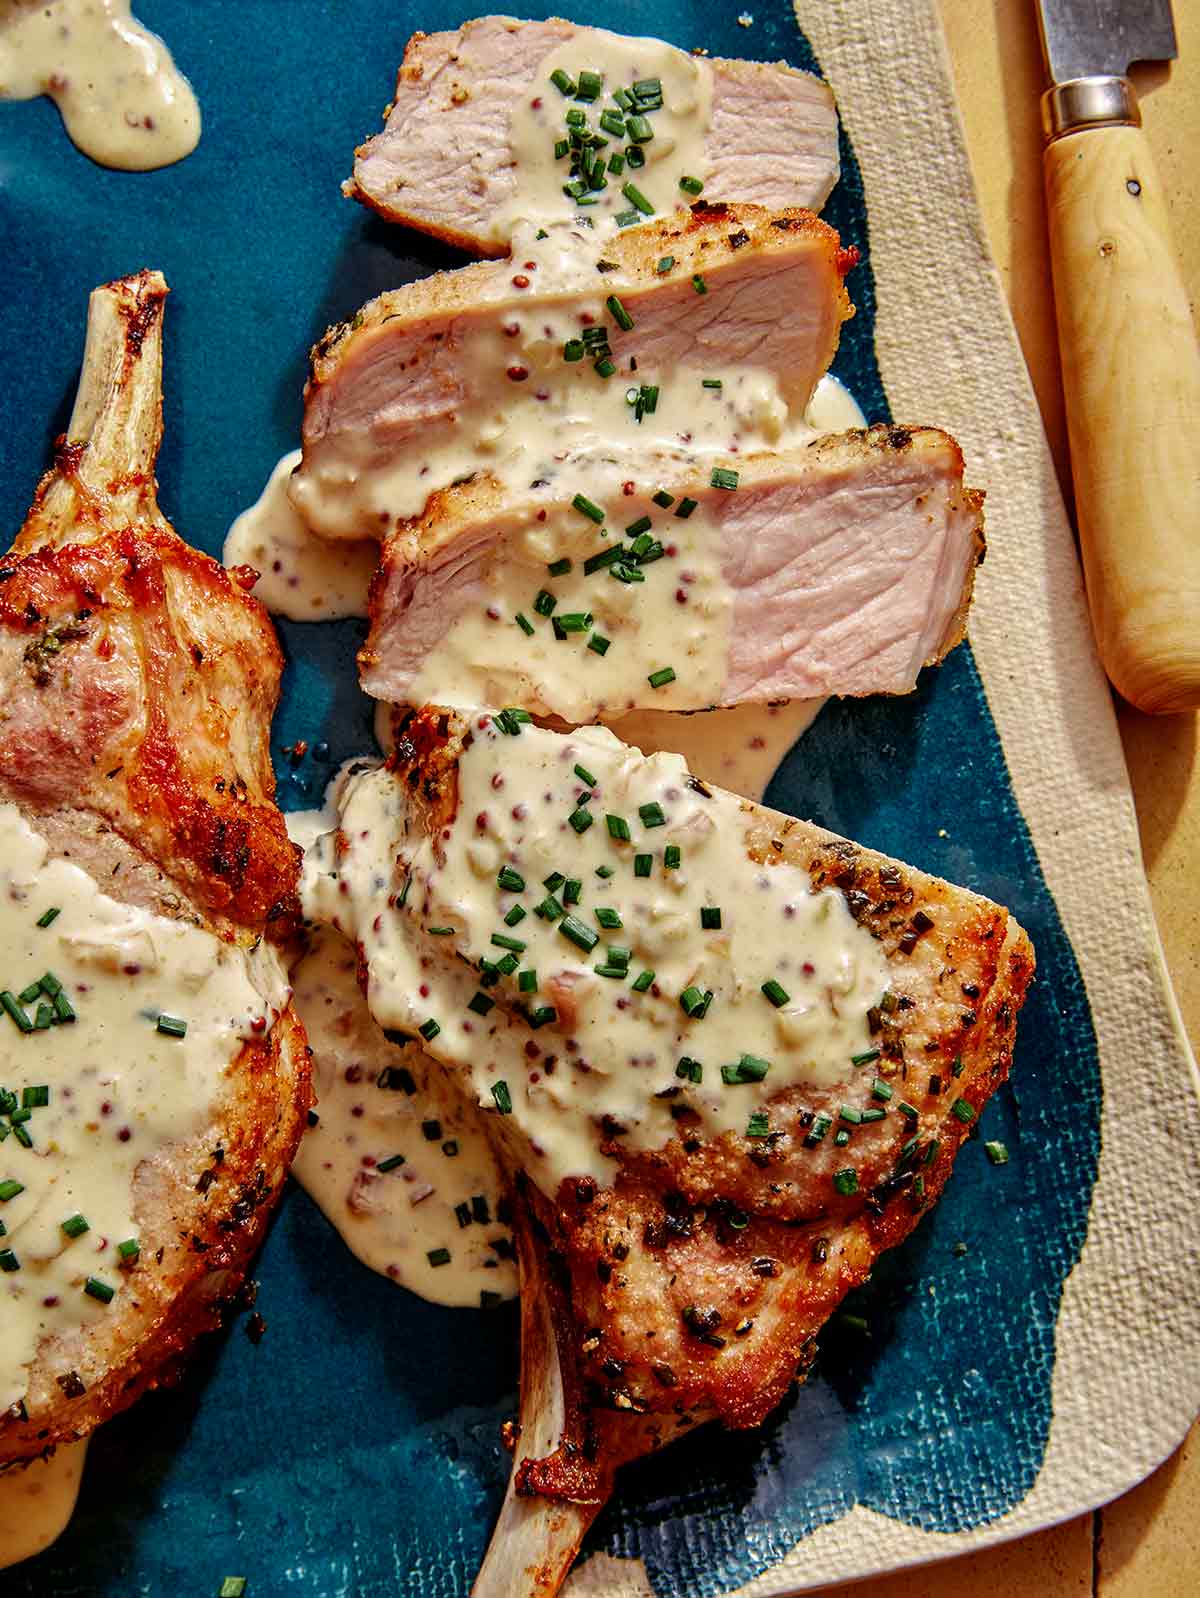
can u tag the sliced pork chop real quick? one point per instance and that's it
(139, 680)
(838, 567)
(744, 1063)
(446, 162)
(487, 365)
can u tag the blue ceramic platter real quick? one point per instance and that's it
(355, 1451)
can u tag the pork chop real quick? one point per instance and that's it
(451, 159)
(513, 365)
(155, 1076)
(727, 1056)
(840, 566)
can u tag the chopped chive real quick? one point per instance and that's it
(129, 1251)
(562, 81)
(643, 864)
(817, 1131)
(15, 1011)
(392, 1163)
(610, 969)
(604, 557)
(572, 889)
(618, 313)
(21, 1133)
(635, 156)
(502, 941)
(957, 1068)
(686, 506)
(50, 984)
(642, 525)
(612, 122)
(511, 881)
(438, 1256)
(864, 1059)
(618, 828)
(543, 1016)
(846, 1181)
(172, 1025)
(576, 118)
(690, 1070)
(910, 1110)
(662, 498)
(429, 1029)
(8, 1260)
(441, 932)
(554, 881)
(585, 776)
(35, 1098)
(29, 994)
(635, 196)
(604, 871)
(711, 382)
(544, 603)
(698, 283)
(691, 185)
(76, 1225)
(561, 146)
(604, 367)
(9, 1190)
(875, 1114)
(849, 1114)
(574, 621)
(777, 994)
(759, 1124)
(581, 819)
(881, 1089)
(710, 917)
(462, 1213)
(580, 935)
(642, 981)
(590, 84)
(44, 1018)
(19, 1117)
(964, 1111)
(431, 1130)
(749, 1068)
(502, 1097)
(515, 915)
(588, 507)
(908, 1150)
(574, 349)
(606, 916)
(618, 954)
(549, 909)
(101, 1291)
(691, 1001)
(527, 981)
(660, 678)
(639, 130)
(841, 1137)
(652, 815)
(996, 1152)
(722, 477)
(931, 1152)
(48, 916)
(481, 1003)
(559, 568)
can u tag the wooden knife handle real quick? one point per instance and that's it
(1131, 379)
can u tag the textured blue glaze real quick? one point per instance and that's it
(355, 1451)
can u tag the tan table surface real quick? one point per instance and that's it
(1147, 1544)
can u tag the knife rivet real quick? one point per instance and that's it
(1134, 187)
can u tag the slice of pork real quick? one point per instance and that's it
(838, 567)
(469, 369)
(445, 162)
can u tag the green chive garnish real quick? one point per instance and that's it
(711, 382)
(129, 1251)
(642, 981)
(698, 283)
(642, 525)
(665, 263)
(527, 981)
(8, 1260)
(29, 994)
(607, 917)
(636, 198)
(101, 1291)
(602, 558)
(817, 1131)
(691, 1002)
(429, 1029)
(554, 881)
(572, 889)
(691, 185)
(559, 568)
(672, 855)
(964, 1111)
(544, 603)
(690, 1070)
(9, 1190)
(723, 478)
(441, 932)
(864, 1059)
(585, 776)
(619, 314)
(777, 995)
(759, 1124)
(581, 819)
(15, 1011)
(515, 914)
(590, 84)
(75, 1226)
(48, 916)
(438, 1256)
(997, 1153)
(639, 130)
(549, 909)
(574, 621)
(686, 506)
(643, 864)
(604, 367)
(588, 507)
(574, 350)
(502, 1097)
(660, 678)
(580, 935)
(562, 81)
(748, 1069)
(710, 917)
(392, 1163)
(846, 1181)
(511, 881)
(501, 941)
(881, 1089)
(652, 815)
(481, 1003)
(524, 623)
(618, 828)
(233, 1587)
(35, 1098)
(910, 1110)
(172, 1025)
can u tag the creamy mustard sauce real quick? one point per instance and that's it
(123, 101)
(397, 1158)
(528, 415)
(596, 94)
(301, 576)
(580, 644)
(599, 1038)
(99, 1083)
(37, 1502)
(739, 748)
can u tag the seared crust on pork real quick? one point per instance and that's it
(139, 681)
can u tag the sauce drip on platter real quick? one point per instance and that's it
(123, 101)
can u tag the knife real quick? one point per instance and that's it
(1130, 364)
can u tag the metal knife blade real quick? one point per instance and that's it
(1087, 38)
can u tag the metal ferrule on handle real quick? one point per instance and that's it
(1099, 102)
